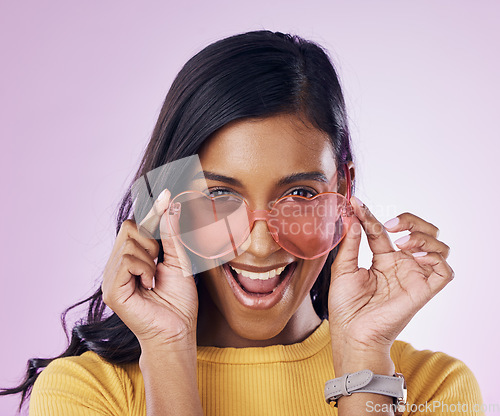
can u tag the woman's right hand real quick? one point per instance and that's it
(158, 302)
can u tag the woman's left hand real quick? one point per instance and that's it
(369, 308)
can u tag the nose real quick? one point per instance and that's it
(260, 242)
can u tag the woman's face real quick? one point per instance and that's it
(257, 155)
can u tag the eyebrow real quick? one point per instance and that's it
(286, 180)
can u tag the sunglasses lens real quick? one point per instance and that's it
(309, 228)
(306, 228)
(211, 227)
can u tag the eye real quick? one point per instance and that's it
(303, 192)
(217, 192)
(222, 192)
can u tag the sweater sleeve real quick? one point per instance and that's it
(437, 383)
(83, 385)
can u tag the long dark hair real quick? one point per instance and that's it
(250, 75)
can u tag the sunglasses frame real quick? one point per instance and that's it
(264, 215)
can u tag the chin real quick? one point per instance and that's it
(258, 329)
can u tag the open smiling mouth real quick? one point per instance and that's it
(259, 290)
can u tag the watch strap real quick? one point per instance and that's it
(364, 382)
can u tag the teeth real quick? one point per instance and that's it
(261, 276)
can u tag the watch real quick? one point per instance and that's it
(366, 382)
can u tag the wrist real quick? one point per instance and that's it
(378, 364)
(350, 359)
(181, 344)
(179, 352)
(164, 367)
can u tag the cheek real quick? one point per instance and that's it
(210, 279)
(215, 286)
(311, 270)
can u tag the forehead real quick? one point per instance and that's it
(268, 148)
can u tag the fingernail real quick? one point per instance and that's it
(175, 209)
(162, 195)
(392, 223)
(358, 201)
(402, 240)
(419, 254)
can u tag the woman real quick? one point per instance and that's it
(259, 322)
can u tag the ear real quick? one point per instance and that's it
(342, 186)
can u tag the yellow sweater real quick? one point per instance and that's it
(277, 380)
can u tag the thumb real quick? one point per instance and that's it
(346, 260)
(175, 256)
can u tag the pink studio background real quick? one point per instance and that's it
(82, 85)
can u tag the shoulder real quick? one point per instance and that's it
(436, 380)
(85, 383)
(90, 368)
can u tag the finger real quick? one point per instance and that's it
(150, 222)
(131, 231)
(442, 273)
(346, 260)
(122, 284)
(132, 247)
(378, 238)
(174, 254)
(134, 266)
(419, 241)
(411, 222)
